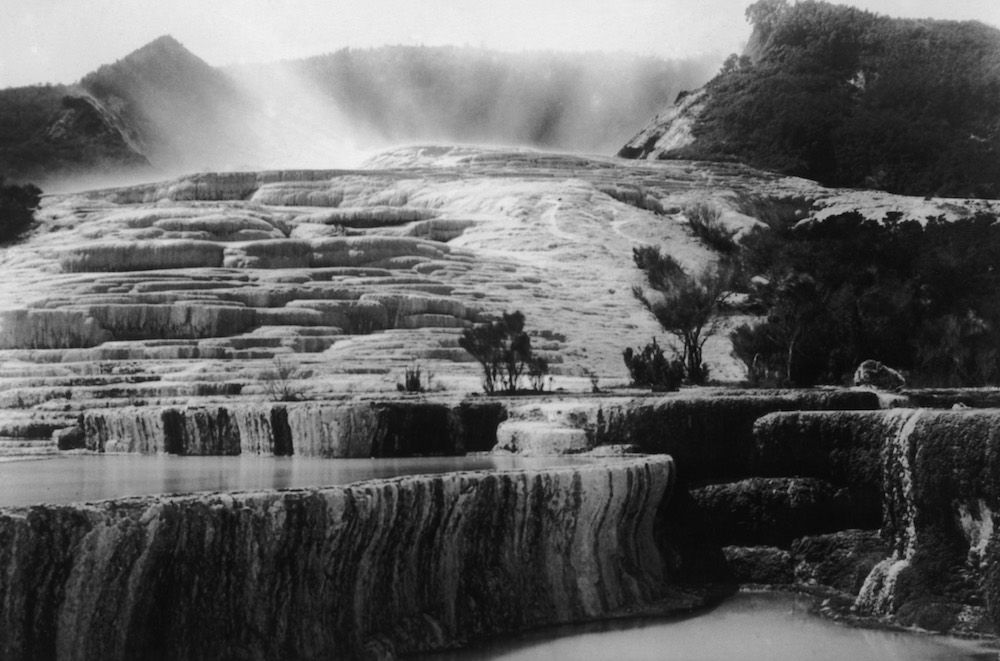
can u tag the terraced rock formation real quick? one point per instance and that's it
(368, 570)
(318, 284)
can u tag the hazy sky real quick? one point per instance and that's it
(59, 41)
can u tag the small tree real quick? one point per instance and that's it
(686, 306)
(503, 350)
(538, 367)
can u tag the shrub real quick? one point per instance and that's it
(413, 380)
(17, 208)
(650, 368)
(705, 221)
(503, 350)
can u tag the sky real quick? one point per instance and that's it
(59, 41)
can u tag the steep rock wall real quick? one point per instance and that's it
(935, 475)
(377, 568)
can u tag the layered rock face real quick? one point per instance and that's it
(372, 569)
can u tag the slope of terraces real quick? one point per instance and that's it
(329, 283)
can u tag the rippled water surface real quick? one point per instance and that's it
(96, 477)
(747, 627)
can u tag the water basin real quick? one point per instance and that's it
(749, 627)
(97, 477)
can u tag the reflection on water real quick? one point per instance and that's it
(747, 627)
(96, 477)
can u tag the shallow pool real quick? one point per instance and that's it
(96, 477)
(746, 627)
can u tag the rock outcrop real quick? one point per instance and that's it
(372, 569)
(933, 475)
(668, 132)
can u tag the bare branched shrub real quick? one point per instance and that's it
(280, 381)
(414, 381)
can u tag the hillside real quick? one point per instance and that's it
(55, 128)
(849, 98)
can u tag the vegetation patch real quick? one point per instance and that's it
(919, 297)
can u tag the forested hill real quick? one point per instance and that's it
(849, 98)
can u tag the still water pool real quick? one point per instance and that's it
(746, 627)
(97, 477)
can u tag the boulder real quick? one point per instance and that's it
(841, 560)
(767, 565)
(873, 374)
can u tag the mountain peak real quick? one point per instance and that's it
(164, 46)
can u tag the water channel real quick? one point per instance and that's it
(754, 626)
(79, 478)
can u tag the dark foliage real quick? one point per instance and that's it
(686, 306)
(503, 350)
(856, 99)
(921, 298)
(650, 368)
(17, 208)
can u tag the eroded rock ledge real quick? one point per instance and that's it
(372, 569)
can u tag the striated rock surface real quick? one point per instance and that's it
(344, 429)
(372, 569)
